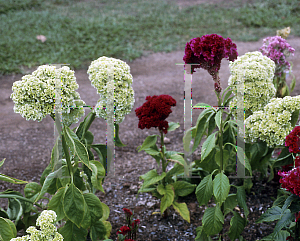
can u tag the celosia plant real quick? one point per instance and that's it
(123, 92)
(34, 94)
(128, 233)
(278, 49)
(48, 231)
(208, 52)
(274, 123)
(293, 140)
(257, 72)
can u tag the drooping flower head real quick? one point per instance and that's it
(123, 99)
(207, 52)
(293, 140)
(277, 49)
(34, 95)
(154, 112)
(257, 72)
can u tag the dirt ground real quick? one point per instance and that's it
(27, 145)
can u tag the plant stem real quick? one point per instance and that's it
(165, 214)
(297, 231)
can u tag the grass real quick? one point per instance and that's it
(79, 32)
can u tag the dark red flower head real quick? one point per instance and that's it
(129, 239)
(292, 140)
(154, 112)
(208, 52)
(127, 212)
(123, 230)
(291, 180)
(135, 223)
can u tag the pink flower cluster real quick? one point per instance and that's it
(277, 49)
(292, 140)
(208, 51)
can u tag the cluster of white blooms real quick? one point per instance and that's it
(48, 231)
(122, 81)
(258, 72)
(34, 95)
(272, 124)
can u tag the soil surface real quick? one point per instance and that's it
(27, 145)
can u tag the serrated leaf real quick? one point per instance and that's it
(237, 225)
(241, 198)
(270, 215)
(98, 231)
(167, 199)
(221, 187)
(208, 145)
(56, 204)
(183, 210)
(151, 177)
(213, 220)
(71, 232)
(230, 203)
(225, 158)
(286, 218)
(282, 235)
(182, 188)
(204, 190)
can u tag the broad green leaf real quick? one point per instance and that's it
(99, 153)
(173, 126)
(31, 189)
(98, 231)
(183, 210)
(241, 198)
(152, 151)
(182, 188)
(86, 222)
(285, 220)
(15, 209)
(176, 170)
(230, 203)
(213, 220)
(3, 213)
(161, 189)
(225, 158)
(45, 173)
(281, 235)
(243, 159)
(8, 229)
(294, 118)
(201, 235)
(177, 158)
(11, 179)
(98, 174)
(76, 146)
(118, 142)
(204, 190)
(56, 204)
(167, 199)
(221, 187)
(108, 228)
(149, 141)
(200, 129)
(218, 118)
(270, 215)
(279, 201)
(71, 232)
(237, 225)
(89, 137)
(94, 205)
(208, 145)
(105, 210)
(73, 204)
(211, 123)
(248, 184)
(151, 177)
(65, 179)
(226, 96)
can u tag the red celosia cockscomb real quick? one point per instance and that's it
(127, 212)
(154, 112)
(291, 180)
(292, 140)
(123, 230)
(135, 223)
(208, 52)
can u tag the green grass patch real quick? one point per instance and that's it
(79, 32)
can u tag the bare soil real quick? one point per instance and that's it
(27, 145)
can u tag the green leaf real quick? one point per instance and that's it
(56, 204)
(108, 228)
(149, 141)
(218, 118)
(248, 184)
(89, 137)
(243, 159)
(213, 220)
(229, 92)
(176, 170)
(76, 146)
(204, 190)
(32, 189)
(221, 187)
(94, 205)
(101, 151)
(11, 179)
(86, 222)
(201, 235)
(237, 225)
(225, 158)
(288, 201)
(270, 215)
(14, 210)
(71, 232)
(118, 142)
(3, 213)
(167, 199)
(173, 126)
(286, 218)
(73, 204)
(105, 212)
(97, 175)
(208, 145)
(241, 198)
(294, 118)
(98, 231)
(161, 189)
(183, 210)
(2, 162)
(201, 105)
(230, 203)
(178, 159)
(281, 235)
(182, 188)
(151, 177)
(211, 123)
(293, 84)
(8, 229)
(45, 173)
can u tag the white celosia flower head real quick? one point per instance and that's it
(34, 95)
(122, 81)
(48, 231)
(273, 124)
(258, 72)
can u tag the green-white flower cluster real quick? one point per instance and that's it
(34, 95)
(258, 72)
(99, 74)
(272, 124)
(48, 231)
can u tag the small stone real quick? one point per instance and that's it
(126, 185)
(151, 204)
(166, 140)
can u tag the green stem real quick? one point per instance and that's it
(66, 151)
(164, 166)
